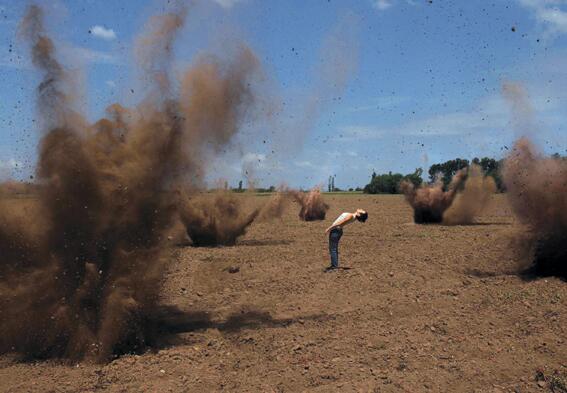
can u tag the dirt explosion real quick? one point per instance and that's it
(537, 188)
(313, 207)
(429, 202)
(474, 197)
(220, 218)
(79, 277)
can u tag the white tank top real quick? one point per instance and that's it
(341, 217)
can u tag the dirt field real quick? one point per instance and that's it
(422, 308)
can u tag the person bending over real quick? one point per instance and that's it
(335, 232)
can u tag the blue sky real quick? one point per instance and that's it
(399, 84)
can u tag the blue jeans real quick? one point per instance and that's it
(334, 237)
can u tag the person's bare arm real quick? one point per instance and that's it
(341, 222)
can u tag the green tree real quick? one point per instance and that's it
(389, 183)
(491, 167)
(415, 177)
(447, 170)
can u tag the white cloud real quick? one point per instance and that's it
(253, 157)
(379, 103)
(457, 123)
(305, 164)
(555, 17)
(88, 56)
(111, 84)
(492, 114)
(101, 32)
(228, 3)
(93, 56)
(542, 3)
(453, 124)
(549, 14)
(9, 164)
(251, 162)
(382, 5)
(357, 132)
(7, 168)
(486, 128)
(69, 55)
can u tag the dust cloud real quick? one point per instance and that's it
(297, 115)
(536, 187)
(220, 218)
(313, 207)
(474, 197)
(429, 202)
(216, 220)
(80, 276)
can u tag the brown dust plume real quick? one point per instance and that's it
(220, 218)
(213, 220)
(79, 278)
(313, 207)
(429, 202)
(537, 188)
(474, 197)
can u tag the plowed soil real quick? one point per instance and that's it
(415, 309)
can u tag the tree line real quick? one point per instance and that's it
(389, 183)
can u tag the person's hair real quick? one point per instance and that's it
(362, 217)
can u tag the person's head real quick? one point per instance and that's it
(361, 215)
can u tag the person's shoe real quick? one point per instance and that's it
(331, 269)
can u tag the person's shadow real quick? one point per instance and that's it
(336, 269)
